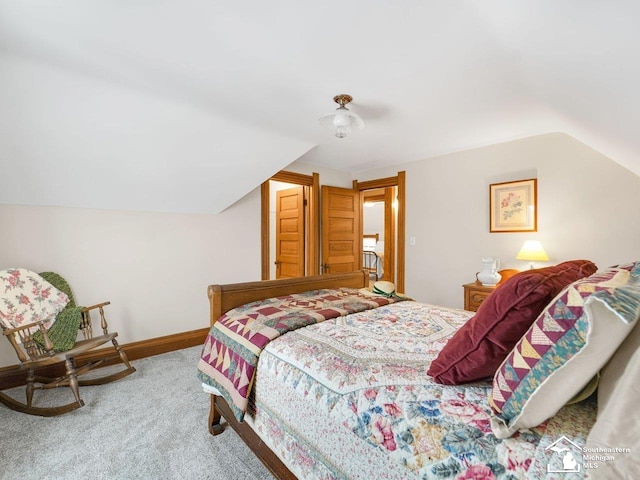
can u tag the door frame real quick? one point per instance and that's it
(387, 196)
(312, 252)
(399, 181)
(291, 208)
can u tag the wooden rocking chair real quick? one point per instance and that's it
(36, 347)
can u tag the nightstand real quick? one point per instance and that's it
(474, 294)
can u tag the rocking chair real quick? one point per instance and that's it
(40, 319)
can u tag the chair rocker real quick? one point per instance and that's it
(35, 346)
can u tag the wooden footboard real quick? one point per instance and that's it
(223, 298)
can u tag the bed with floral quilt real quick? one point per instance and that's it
(350, 397)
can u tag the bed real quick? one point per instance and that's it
(349, 396)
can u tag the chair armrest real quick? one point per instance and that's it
(86, 316)
(93, 307)
(11, 331)
(21, 334)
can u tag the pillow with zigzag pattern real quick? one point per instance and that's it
(570, 341)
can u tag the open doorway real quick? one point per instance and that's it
(289, 215)
(379, 220)
(389, 196)
(290, 225)
(355, 243)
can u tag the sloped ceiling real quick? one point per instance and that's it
(187, 105)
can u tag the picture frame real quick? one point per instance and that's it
(513, 206)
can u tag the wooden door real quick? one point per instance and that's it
(341, 244)
(290, 233)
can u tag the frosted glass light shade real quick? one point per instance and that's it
(342, 122)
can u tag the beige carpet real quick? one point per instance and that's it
(149, 425)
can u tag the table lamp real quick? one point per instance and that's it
(532, 251)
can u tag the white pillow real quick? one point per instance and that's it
(618, 421)
(566, 346)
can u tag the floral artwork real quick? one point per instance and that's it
(513, 206)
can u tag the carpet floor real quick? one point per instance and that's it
(149, 425)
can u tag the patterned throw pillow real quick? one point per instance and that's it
(479, 347)
(565, 347)
(26, 297)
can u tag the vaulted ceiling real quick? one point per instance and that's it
(187, 105)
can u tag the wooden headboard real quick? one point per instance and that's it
(223, 298)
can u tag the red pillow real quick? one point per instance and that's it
(478, 348)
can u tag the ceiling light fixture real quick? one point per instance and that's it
(342, 121)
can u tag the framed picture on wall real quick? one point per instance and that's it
(513, 206)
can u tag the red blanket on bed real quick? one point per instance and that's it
(231, 350)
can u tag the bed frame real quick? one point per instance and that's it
(223, 298)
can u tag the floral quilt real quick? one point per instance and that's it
(235, 342)
(28, 298)
(350, 398)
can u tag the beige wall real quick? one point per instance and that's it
(328, 176)
(587, 208)
(155, 268)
